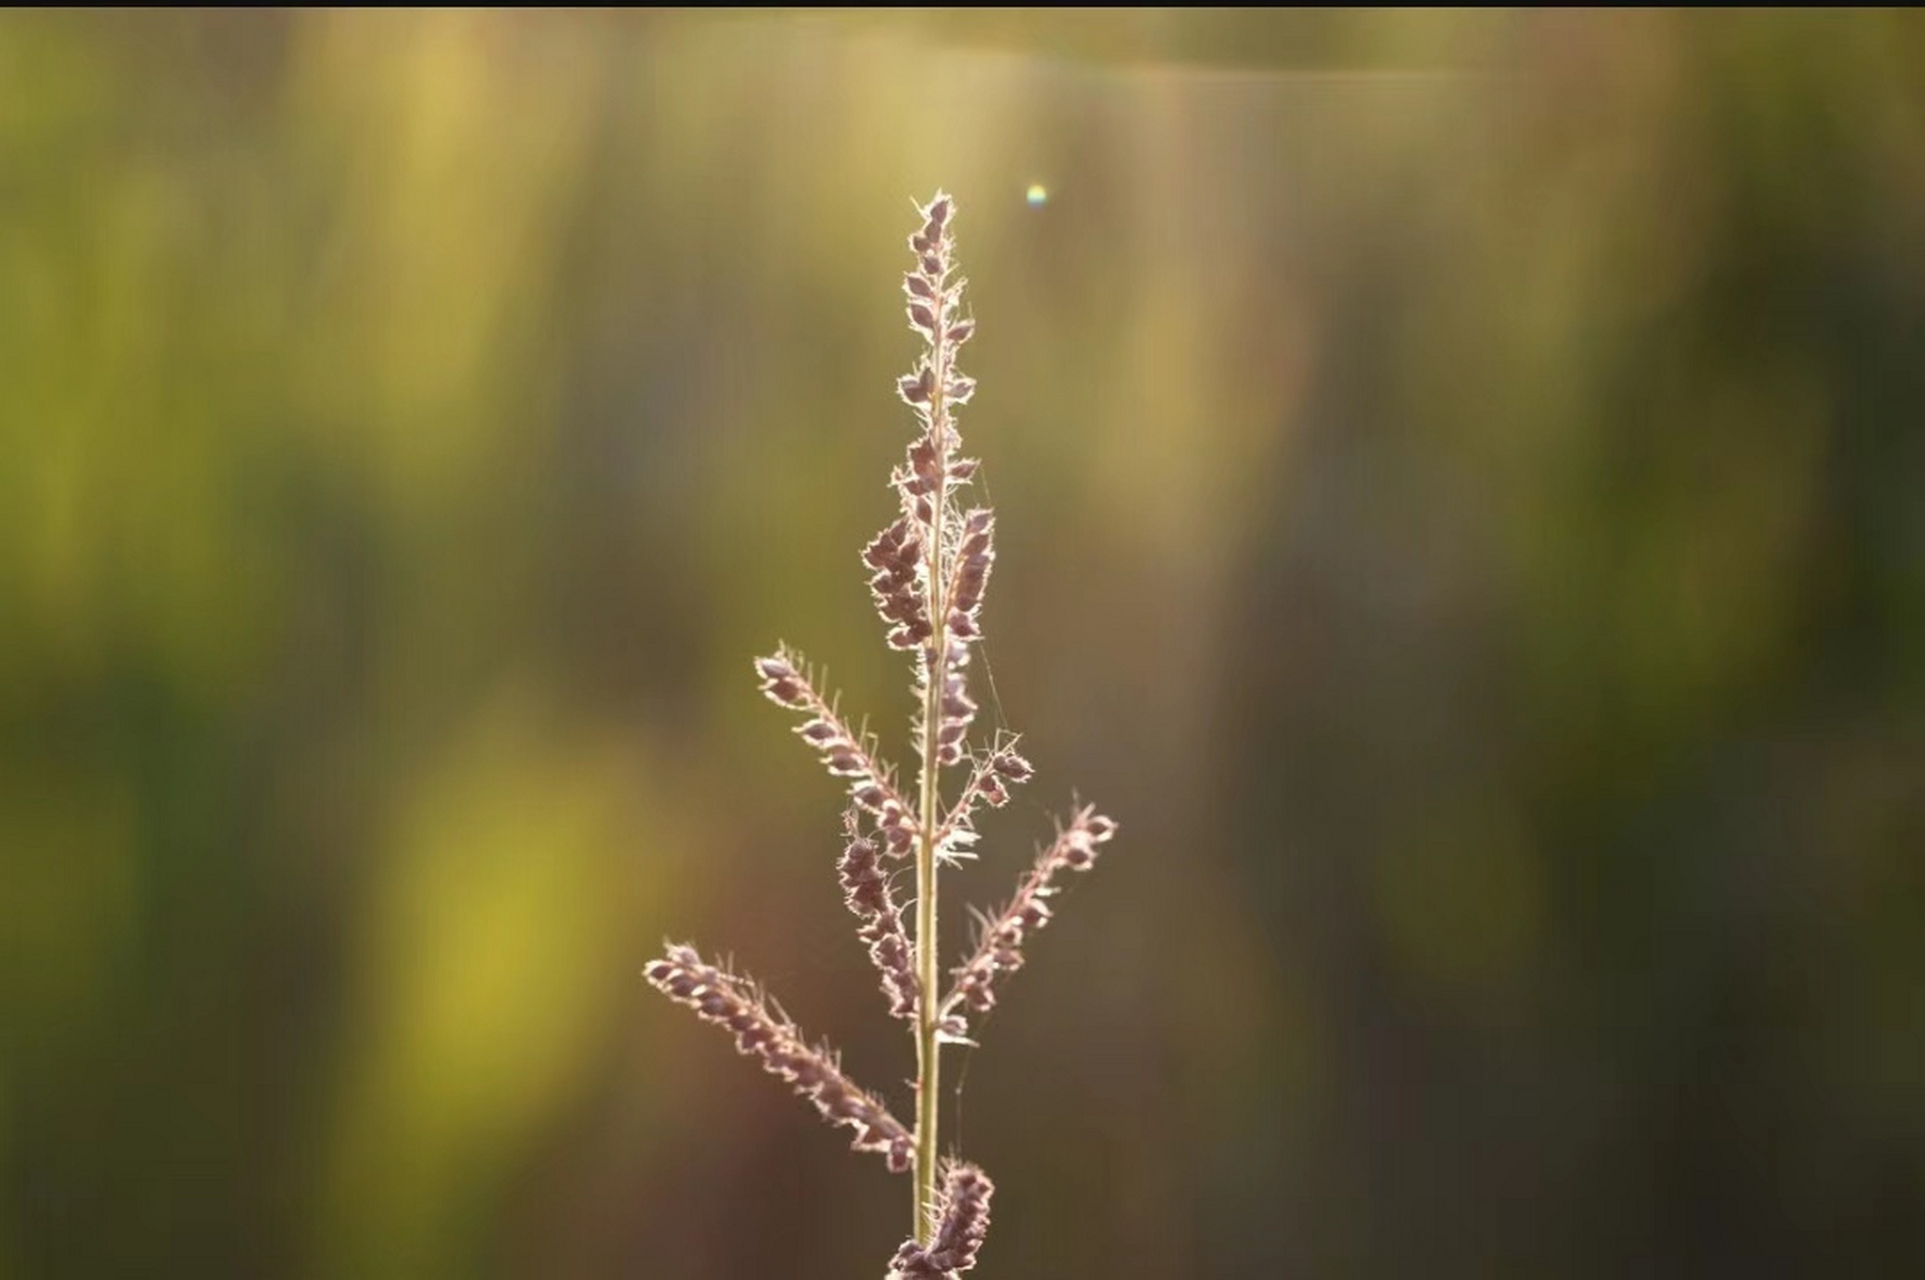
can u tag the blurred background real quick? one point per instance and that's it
(1462, 508)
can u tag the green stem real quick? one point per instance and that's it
(928, 1047)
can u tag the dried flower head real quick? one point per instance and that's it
(867, 890)
(728, 1001)
(846, 753)
(993, 774)
(962, 1220)
(928, 571)
(900, 594)
(999, 946)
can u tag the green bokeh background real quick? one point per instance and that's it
(1462, 508)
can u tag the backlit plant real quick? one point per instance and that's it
(928, 572)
